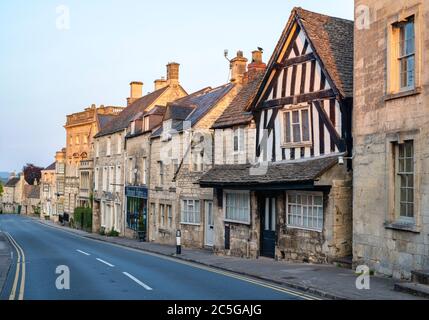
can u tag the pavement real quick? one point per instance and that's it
(5, 259)
(54, 263)
(327, 281)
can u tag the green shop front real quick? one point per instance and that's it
(137, 210)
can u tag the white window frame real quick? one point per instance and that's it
(399, 186)
(169, 215)
(301, 226)
(225, 208)
(302, 143)
(402, 56)
(161, 169)
(184, 212)
(144, 171)
(96, 178)
(146, 123)
(240, 134)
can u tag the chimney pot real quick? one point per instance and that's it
(136, 91)
(238, 67)
(173, 73)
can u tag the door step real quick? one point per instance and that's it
(416, 289)
(421, 276)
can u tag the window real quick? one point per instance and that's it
(405, 180)
(144, 169)
(170, 215)
(109, 146)
(197, 160)
(133, 127)
(77, 140)
(111, 178)
(162, 215)
(296, 126)
(118, 178)
(305, 210)
(119, 145)
(146, 124)
(237, 206)
(238, 140)
(96, 177)
(190, 212)
(161, 173)
(406, 55)
(85, 139)
(71, 140)
(104, 179)
(60, 168)
(97, 149)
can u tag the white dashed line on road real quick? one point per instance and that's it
(138, 281)
(105, 262)
(83, 252)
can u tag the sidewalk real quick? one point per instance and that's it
(5, 259)
(328, 281)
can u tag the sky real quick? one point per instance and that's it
(59, 57)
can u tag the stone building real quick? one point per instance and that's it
(60, 178)
(48, 192)
(181, 151)
(110, 160)
(294, 201)
(80, 128)
(31, 203)
(390, 133)
(12, 191)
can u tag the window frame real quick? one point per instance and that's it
(301, 226)
(196, 212)
(290, 110)
(398, 183)
(401, 56)
(225, 207)
(239, 134)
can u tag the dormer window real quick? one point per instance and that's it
(133, 127)
(238, 140)
(146, 124)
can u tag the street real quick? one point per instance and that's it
(102, 271)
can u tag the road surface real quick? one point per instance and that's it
(103, 271)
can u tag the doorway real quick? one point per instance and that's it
(209, 225)
(268, 226)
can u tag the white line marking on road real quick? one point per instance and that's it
(105, 262)
(83, 252)
(138, 281)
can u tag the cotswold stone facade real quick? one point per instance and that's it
(391, 134)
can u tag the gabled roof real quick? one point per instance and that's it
(236, 113)
(123, 119)
(193, 107)
(50, 167)
(12, 182)
(32, 192)
(332, 41)
(276, 173)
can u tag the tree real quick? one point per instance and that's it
(32, 173)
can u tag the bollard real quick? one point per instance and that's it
(178, 242)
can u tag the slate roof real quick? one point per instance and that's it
(104, 119)
(51, 167)
(277, 173)
(332, 41)
(235, 114)
(12, 182)
(121, 121)
(193, 107)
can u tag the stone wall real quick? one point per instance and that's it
(379, 120)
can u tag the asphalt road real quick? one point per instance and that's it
(102, 271)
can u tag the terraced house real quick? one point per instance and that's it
(80, 130)
(181, 151)
(390, 131)
(294, 203)
(111, 163)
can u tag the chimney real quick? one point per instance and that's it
(173, 73)
(238, 68)
(160, 83)
(257, 66)
(136, 91)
